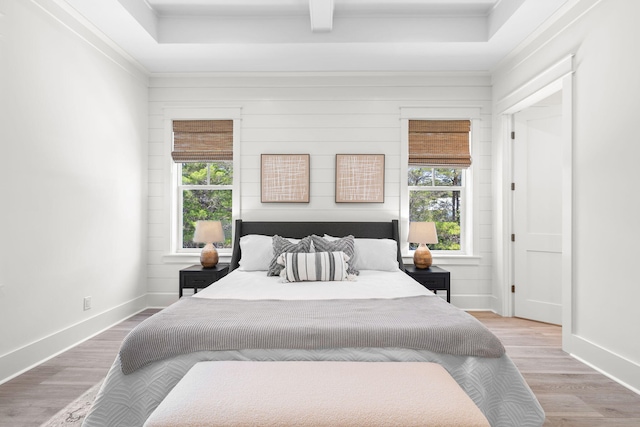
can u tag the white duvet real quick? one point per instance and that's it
(495, 385)
(255, 285)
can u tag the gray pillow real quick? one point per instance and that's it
(282, 245)
(344, 244)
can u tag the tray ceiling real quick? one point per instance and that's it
(317, 35)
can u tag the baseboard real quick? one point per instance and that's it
(614, 366)
(21, 360)
(471, 302)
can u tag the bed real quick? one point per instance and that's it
(155, 356)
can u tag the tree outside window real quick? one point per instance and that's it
(205, 190)
(437, 195)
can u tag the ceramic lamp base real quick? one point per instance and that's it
(209, 256)
(422, 257)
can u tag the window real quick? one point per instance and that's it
(438, 160)
(437, 195)
(205, 193)
(203, 154)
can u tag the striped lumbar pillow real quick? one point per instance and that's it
(315, 266)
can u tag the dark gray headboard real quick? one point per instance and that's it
(298, 230)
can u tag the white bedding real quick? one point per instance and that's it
(255, 285)
(494, 384)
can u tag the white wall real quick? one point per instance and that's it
(606, 99)
(320, 114)
(73, 121)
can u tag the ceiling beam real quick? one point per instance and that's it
(144, 14)
(501, 13)
(321, 14)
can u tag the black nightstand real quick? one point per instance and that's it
(433, 278)
(197, 277)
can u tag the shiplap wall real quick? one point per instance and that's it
(322, 115)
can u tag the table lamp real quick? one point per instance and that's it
(208, 232)
(422, 233)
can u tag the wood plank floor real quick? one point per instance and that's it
(35, 396)
(571, 393)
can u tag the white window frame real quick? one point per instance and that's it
(174, 203)
(468, 219)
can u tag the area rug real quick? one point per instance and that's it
(74, 413)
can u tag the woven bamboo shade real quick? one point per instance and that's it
(439, 143)
(202, 140)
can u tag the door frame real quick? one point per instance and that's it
(558, 77)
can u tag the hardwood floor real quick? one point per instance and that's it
(35, 396)
(571, 393)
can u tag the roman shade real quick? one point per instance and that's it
(202, 140)
(440, 143)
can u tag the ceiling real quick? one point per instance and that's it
(175, 36)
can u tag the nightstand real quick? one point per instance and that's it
(198, 277)
(433, 278)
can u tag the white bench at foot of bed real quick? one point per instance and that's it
(317, 394)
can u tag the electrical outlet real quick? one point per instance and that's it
(87, 303)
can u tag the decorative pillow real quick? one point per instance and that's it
(257, 252)
(281, 245)
(315, 266)
(345, 244)
(373, 254)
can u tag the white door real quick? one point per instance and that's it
(537, 170)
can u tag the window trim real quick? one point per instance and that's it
(172, 202)
(470, 238)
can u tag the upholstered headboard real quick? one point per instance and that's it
(371, 230)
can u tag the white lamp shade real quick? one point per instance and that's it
(208, 232)
(422, 232)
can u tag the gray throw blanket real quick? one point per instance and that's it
(197, 324)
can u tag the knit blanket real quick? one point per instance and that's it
(198, 324)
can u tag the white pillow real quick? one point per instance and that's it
(257, 252)
(377, 254)
(374, 254)
(314, 266)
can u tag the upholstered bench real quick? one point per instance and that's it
(317, 394)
